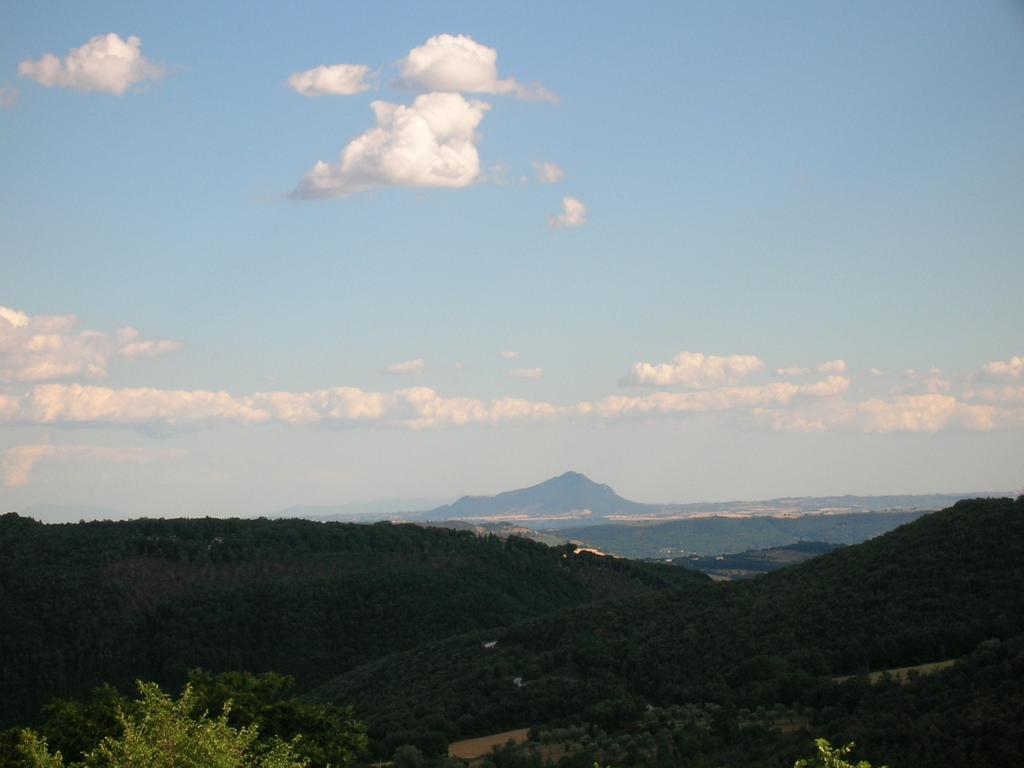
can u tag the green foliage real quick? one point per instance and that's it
(164, 733)
(407, 756)
(325, 735)
(831, 757)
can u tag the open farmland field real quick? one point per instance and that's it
(470, 749)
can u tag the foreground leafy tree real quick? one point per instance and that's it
(331, 737)
(164, 733)
(831, 757)
(327, 735)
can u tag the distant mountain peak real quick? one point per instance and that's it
(571, 477)
(569, 495)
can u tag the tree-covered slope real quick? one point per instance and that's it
(101, 602)
(933, 589)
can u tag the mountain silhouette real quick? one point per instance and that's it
(568, 495)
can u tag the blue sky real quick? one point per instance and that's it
(766, 189)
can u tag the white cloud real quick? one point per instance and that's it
(408, 367)
(420, 408)
(910, 413)
(130, 345)
(718, 399)
(781, 405)
(334, 80)
(574, 214)
(9, 407)
(924, 413)
(1014, 367)
(106, 64)
(459, 64)
(527, 373)
(36, 349)
(831, 366)
(997, 394)
(548, 173)
(430, 143)
(694, 370)
(19, 461)
(48, 347)
(833, 386)
(8, 96)
(83, 404)
(876, 372)
(415, 407)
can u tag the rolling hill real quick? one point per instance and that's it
(934, 589)
(83, 604)
(435, 635)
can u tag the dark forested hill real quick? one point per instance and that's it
(434, 635)
(108, 602)
(931, 590)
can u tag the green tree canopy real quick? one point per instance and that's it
(831, 757)
(164, 733)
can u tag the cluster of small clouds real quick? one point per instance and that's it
(690, 383)
(721, 398)
(782, 405)
(694, 370)
(39, 354)
(709, 384)
(530, 374)
(432, 142)
(412, 407)
(50, 347)
(107, 64)
(1013, 368)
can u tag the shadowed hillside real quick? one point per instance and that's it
(83, 604)
(930, 590)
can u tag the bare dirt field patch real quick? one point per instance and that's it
(469, 749)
